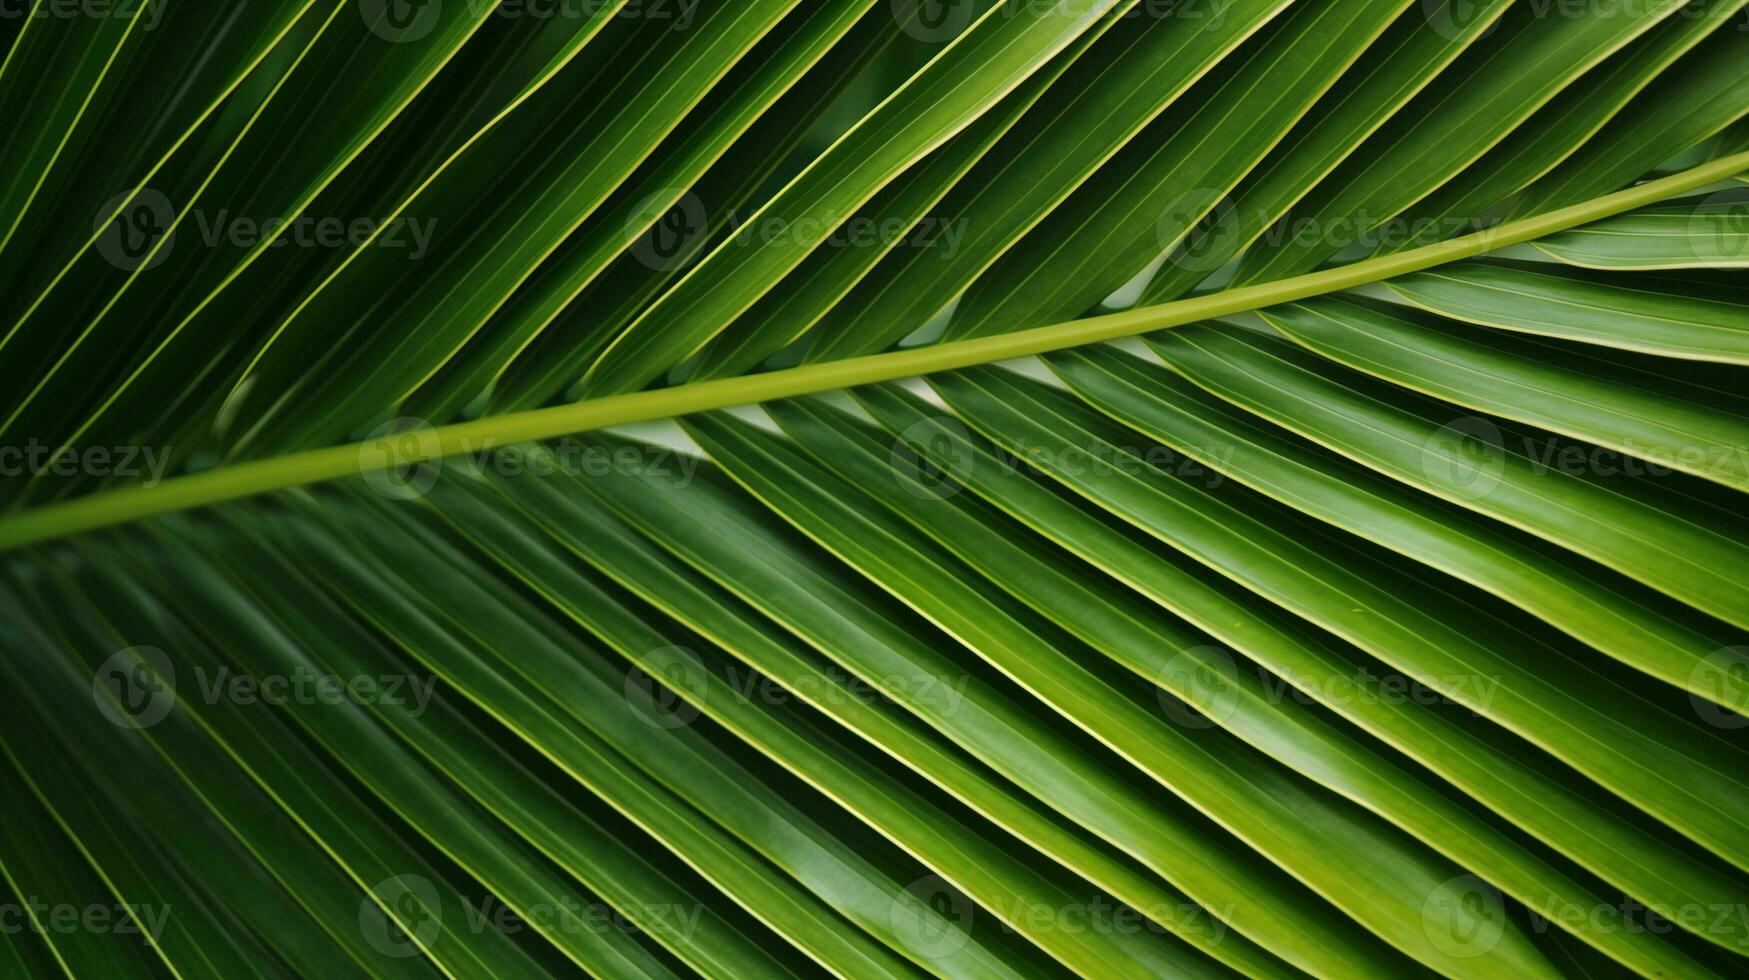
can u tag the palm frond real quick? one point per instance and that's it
(827, 487)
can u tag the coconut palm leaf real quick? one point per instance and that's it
(961, 488)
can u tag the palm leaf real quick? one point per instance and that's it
(830, 487)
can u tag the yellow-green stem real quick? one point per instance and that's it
(246, 479)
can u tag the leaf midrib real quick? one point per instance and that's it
(32, 525)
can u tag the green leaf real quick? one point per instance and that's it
(1115, 97)
(1562, 127)
(1320, 668)
(1146, 199)
(1710, 234)
(1688, 316)
(1468, 109)
(966, 80)
(1395, 625)
(1671, 418)
(1462, 664)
